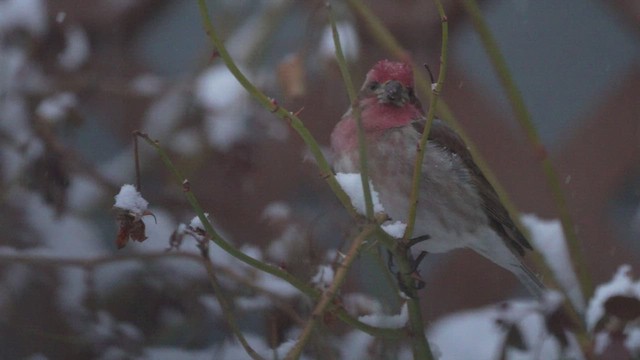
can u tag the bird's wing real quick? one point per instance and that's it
(499, 218)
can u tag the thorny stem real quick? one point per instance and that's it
(402, 256)
(267, 268)
(419, 343)
(270, 104)
(524, 117)
(420, 346)
(225, 305)
(422, 147)
(383, 264)
(362, 149)
(215, 237)
(296, 123)
(416, 330)
(387, 41)
(136, 157)
(355, 111)
(329, 294)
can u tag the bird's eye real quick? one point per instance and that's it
(373, 85)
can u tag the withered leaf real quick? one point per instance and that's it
(130, 227)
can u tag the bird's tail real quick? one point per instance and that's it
(494, 249)
(529, 279)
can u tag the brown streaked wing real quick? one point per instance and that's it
(499, 218)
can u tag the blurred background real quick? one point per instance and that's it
(77, 77)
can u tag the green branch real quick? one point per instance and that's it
(225, 305)
(89, 263)
(422, 148)
(388, 42)
(415, 329)
(391, 44)
(328, 295)
(355, 112)
(259, 265)
(524, 118)
(270, 104)
(215, 236)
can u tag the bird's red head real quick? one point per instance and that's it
(386, 101)
(385, 70)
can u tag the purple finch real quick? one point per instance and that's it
(457, 207)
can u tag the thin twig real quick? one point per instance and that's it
(91, 262)
(388, 42)
(249, 282)
(420, 345)
(225, 305)
(362, 149)
(392, 46)
(524, 118)
(422, 147)
(270, 269)
(215, 236)
(329, 294)
(136, 157)
(415, 330)
(355, 112)
(270, 104)
(388, 276)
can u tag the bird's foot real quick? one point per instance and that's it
(415, 275)
(406, 247)
(418, 283)
(417, 261)
(409, 287)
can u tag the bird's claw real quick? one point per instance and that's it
(418, 282)
(417, 240)
(417, 261)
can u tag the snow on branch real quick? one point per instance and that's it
(351, 183)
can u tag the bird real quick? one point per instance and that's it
(457, 206)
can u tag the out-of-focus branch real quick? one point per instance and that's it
(435, 95)
(388, 42)
(225, 304)
(270, 269)
(215, 236)
(356, 112)
(329, 294)
(270, 104)
(92, 262)
(393, 47)
(524, 118)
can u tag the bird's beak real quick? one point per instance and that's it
(393, 93)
